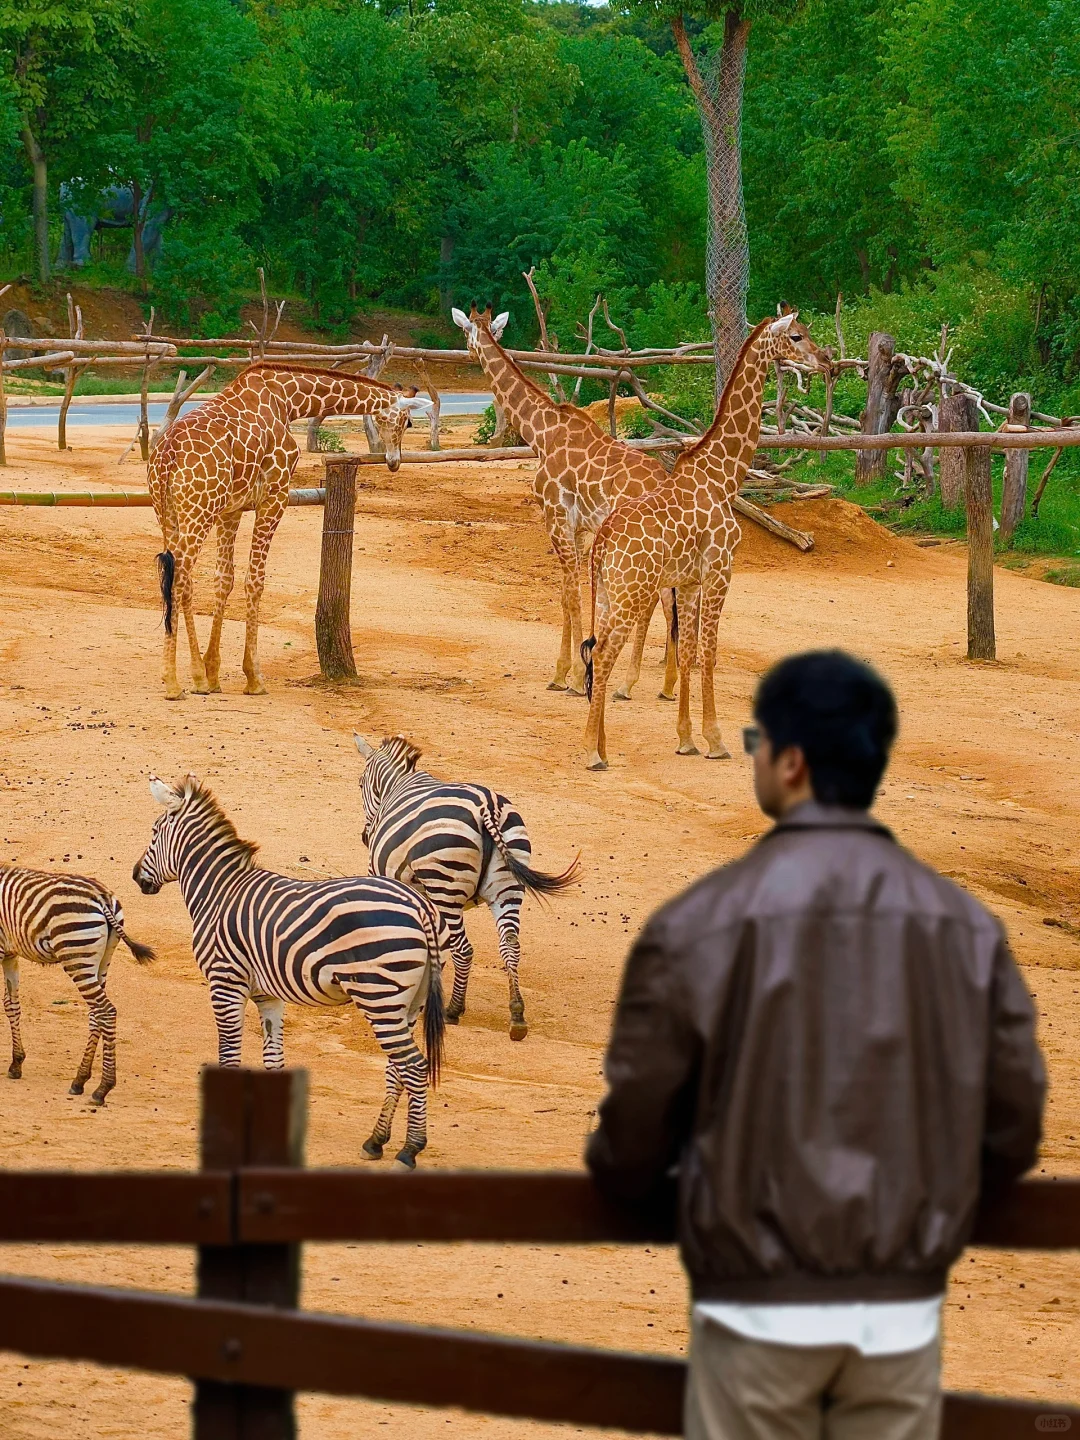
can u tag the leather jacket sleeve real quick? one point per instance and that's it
(1016, 1082)
(652, 1067)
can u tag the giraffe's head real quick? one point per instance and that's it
(395, 419)
(788, 339)
(477, 321)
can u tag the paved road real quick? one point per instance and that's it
(45, 416)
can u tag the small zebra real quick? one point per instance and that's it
(460, 845)
(74, 922)
(271, 938)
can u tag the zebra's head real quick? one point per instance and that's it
(384, 766)
(190, 815)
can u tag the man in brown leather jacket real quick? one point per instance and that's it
(832, 1048)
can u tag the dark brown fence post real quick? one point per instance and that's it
(249, 1117)
(882, 405)
(333, 634)
(956, 412)
(980, 536)
(1014, 485)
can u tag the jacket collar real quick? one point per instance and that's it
(812, 816)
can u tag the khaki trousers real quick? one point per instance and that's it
(742, 1389)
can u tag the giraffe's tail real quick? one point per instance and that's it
(596, 555)
(674, 618)
(166, 562)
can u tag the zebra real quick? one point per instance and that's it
(460, 845)
(271, 938)
(71, 921)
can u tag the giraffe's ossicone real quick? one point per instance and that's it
(234, 453)
(683, 534)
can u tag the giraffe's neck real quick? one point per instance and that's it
(531, 411)
(309, 393)
(722, 456)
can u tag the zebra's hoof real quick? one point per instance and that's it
(15, 1071)
(98, 1098)
(518, 1030)
(372, 1149)
(404, 1160)
(453, 1017)
(77, 1087)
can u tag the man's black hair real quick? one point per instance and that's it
(841, 715)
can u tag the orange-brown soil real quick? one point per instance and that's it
(455, 617)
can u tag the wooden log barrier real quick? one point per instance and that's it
(333, 633)
(1014, 485)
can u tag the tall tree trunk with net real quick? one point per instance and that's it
(40, 168)
(718, 90)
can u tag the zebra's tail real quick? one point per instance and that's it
(434, 1005)
(142, 953)
(537, 882)
(166, 570)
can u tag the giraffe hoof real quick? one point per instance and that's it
(721, 753)
(518, 1030)
(663, 695)
(596, 764)
(255, 688)
(77, 1087)
(556, 685)
(688, 749)
(372, 1149)
(200, 687)
(622, 693)
(174, 694)
(213, 687)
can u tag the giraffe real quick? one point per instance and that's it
(236, 452)
(684, 534)
(582, 472)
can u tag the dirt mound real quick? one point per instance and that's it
(845, 539)
(624, 406)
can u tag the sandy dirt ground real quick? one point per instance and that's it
(455, 618)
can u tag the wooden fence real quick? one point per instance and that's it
(249, 1350)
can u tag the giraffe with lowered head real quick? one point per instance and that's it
(683, 534)
(582, 472)
(236, 452)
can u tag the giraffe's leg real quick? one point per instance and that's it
(272, 1016)
(227, 1002)
(671, 659)
(712, 602)
(13, 1011)
(506, 909)
(562, 542)
(461, 952)
(641, 634)
(609, 642)
(581, 606)
(192, 536)
(688, 597)
(266, 522)
(227, 527)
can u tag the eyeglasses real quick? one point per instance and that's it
(751, 739)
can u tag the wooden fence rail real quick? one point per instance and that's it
(247, 1348)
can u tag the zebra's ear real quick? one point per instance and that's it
(165, 794)
(362, 745)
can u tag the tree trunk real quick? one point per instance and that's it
(333, 633)
(956, 412)
(1014, 486)
(446, 288)
(719, 97)
(40, 168)
(980, 535)
(137, 234)
(882, 404)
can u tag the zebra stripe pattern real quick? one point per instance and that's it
(74, 922)
(460, 845)
(271, 938)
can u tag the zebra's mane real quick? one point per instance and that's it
(201, 797)
(399, 748)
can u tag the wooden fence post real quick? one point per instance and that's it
(333, 634)
(249, 1117)
(980, 537)
(1014, 485)
(882, 405)
(956, 412)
